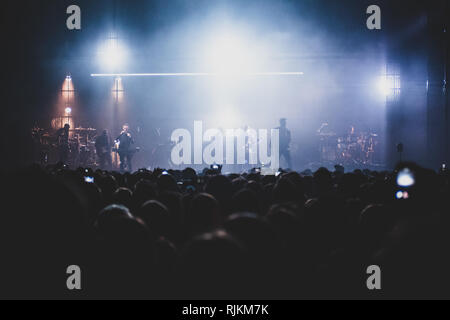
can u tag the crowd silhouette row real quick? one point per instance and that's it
(182, 234)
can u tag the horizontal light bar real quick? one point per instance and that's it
(193, 74)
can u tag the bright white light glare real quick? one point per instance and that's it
(405, 178)
(68, 110)
(228, 54)
(384, 86)
(89, 179)
(69, 78)
(389, 85)
(225, 116)
(112, 54)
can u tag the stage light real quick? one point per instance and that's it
(223, 54)
(68, 110)
(112, 54)
(389, 85)
(118, 89)
(195, 74)
(68, 78)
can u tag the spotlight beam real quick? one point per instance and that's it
(196, 74)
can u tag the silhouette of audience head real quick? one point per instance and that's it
(203, 214)
(177, 234)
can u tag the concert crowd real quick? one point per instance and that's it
(182, 234)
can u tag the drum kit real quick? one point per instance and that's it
(82, 147)
(350, 149)
(82, 150)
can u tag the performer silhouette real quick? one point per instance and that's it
(125, 141)
(103, 147)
